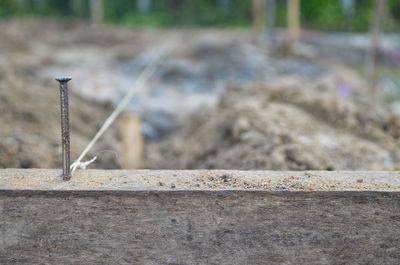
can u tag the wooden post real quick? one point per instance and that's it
(258, 17)
(293, 23)
(371, 56)
(96, 12)
(270, 10)
(132, 142)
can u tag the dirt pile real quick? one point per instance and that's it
(30, 124)
(293, 124)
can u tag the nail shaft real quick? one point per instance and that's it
(65, 142)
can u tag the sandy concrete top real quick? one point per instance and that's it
(125, 180)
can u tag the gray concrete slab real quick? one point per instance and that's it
(103, 180)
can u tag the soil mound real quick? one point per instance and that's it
(293, 124)
(30, 124)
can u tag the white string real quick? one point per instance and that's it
(82, 165)
(140, 81)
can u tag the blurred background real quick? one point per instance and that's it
(245, 84)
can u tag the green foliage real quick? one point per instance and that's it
(115, 11)
(329, 15)
(55, 7)
(155, 19)
(315, 14)
(7, 8)
(394, 9)
(179, 12)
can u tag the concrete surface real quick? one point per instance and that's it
(104, 180)
(199, 217)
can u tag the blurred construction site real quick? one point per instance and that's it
(246, 84)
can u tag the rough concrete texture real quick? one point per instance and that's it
(103, 180)
(81, 222)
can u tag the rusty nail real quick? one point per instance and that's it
(65, 143)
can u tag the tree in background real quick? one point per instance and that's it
(143, 6)
(349, 7)
(259, 16)
(337, 15)
(8, 7)
(96, 12)
(371, 56)
(223, 4)
(270, 14)
(293, 17)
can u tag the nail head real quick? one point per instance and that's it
(63, 78)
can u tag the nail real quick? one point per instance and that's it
(65, 143)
